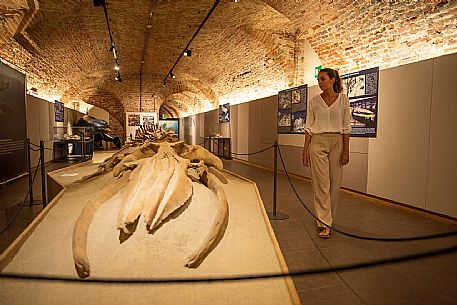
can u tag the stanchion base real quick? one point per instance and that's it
(278, 216)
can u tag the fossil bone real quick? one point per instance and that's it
(83, 222)
(217, 227)
(157, 183)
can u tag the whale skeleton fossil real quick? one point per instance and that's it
(156, 182)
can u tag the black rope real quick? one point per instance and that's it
(374, 263)
(384, 239)
(200, 144)
(253, 153)
(18, 211)
(245, 154)
(46, 148)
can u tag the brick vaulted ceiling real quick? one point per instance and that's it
(246, 50)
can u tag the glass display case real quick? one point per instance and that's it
(73, 142)
(220, 146)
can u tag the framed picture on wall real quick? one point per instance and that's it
(292, 109)
(224, 113)
(170, 125)
(59, 111)
(134, 120)
(361, 88)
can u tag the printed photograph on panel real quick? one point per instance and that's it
(284, 118)
(224, 113)
(356, 86)
(148, 120)
(170, 125)
(371, 83)
(298, 122)
(284, 101)
(363, 112)
(296, 98)
(134, 119)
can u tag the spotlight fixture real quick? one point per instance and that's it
(112, 48)
(163, 85)
(172, 75)
(215, 4)
(187, 53)
(118, 77)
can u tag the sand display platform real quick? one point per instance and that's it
(248, 247)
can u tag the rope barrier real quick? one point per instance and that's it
(383, 239)
(46, 148)
(380, 262)
(18, 211)
(253, 153)
(373, 263)
(245, 154)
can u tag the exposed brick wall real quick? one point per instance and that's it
(117, 128)
(245, 51)
(352, 35)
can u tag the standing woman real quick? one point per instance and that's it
(326, 148)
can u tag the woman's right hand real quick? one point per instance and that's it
(305, 158)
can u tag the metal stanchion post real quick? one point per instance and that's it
(29, 167)
(43, 175)
(82, 147)
(276, 215)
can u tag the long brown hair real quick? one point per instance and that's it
(332, 73)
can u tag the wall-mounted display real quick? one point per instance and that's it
(134, 119)
(362, 90)
(13, 131)
(170, 125)
(59, 111)
(224, 113)
(292, 110)
(148, 120)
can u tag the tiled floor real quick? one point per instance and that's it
(426, 281)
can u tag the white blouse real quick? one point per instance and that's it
(321, 118)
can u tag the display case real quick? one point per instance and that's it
(73, 142)
(220, 146)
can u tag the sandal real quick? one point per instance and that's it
(325, 233)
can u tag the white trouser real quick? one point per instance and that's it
(326, 171)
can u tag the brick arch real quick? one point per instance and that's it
(189, 90)
(101, 99)
(108, 102)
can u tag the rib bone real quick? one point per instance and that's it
(83, 222)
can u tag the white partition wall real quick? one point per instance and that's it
(441, 193)
(397, 158)
(413, 160)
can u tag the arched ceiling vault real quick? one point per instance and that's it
(246, 50)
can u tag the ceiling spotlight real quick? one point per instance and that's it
(172, 75)
(112, 48)
(116, 67)
(163, 84)
(236, 1)
(118, 77)
(187, 53)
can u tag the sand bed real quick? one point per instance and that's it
(247, 247)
